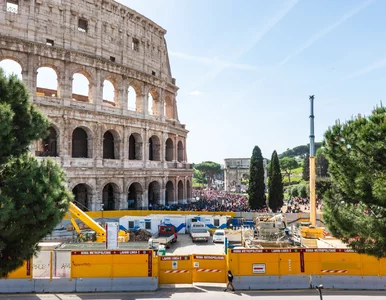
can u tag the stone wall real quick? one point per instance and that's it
(102, 40)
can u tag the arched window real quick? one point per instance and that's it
(48, 146)
(79, 143)
(169, 150)
(108, 145)
(46, 82)
(154, 148)
(81, 90)
(109, 96)
(11, 67)
(132, 99)
(180, 147)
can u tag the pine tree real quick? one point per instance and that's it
(355, 206)
(256, 190)
(275, 184)
(33, 193)
(306, 168)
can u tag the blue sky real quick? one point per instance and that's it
(245, 68)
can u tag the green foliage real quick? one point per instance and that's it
(299, 151)
(321, 163)
(306, 168)
(275, 184)
(287, 164)
(303, 190)
(294, 191)
(256, 190)
(208, 169)
(33, 193)
(355, 206)
(322, 185)
(22, 122)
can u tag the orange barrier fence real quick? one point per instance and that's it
(116, 263)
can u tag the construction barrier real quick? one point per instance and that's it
(175, 269)
(209, 268)
(140, 270)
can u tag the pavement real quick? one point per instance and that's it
(207, 293)
(185, 246)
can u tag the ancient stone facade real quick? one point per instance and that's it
(115, 156)
(236, 172)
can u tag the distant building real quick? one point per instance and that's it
(236, 171)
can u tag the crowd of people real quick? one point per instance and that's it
(218, 200)
(297, 205)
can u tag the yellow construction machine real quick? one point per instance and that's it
(96, 233)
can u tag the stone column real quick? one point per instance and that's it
(123, 98)
(125, 147)
(146, 146)
(185, 193)
(97, 91)
(185, 159)
(176, 189)
(145, 104)
(98, 146)
(66, 142)
(176, 148)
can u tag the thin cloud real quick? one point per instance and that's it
(252, 41)
(326, 31)
(372, 67)
(212, 61)
(195, 93)
(311, 41)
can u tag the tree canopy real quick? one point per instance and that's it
(209, 169)
(256, 190)
(275, 184)
(287, 164)
(355, 205)
(33, 193)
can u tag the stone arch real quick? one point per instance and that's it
(82, 86)
(188, 189)
(169, 150)
(169, 193)
(154, 193)
(135, 96)
(135, 146)
(82, 195)
(110, 92)
(49, 145)
(180, 192)
(11, 65)
(81, 142)
(110, 196)
(135, 196)
(180, 149)
(154, 148)
(110, 145)
(47, 83)
(169, 108)
(153, 101)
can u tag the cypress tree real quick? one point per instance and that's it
(306, 168)
(275, 184)
(256, 190)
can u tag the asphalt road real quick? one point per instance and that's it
(206, 293)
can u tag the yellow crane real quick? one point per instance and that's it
(99, 233)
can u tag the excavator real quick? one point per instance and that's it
(96, 233)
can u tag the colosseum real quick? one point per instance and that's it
(113, 110)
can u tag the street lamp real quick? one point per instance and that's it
(103, 220)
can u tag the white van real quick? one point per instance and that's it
(219, 236)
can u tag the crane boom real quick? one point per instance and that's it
(76, 212)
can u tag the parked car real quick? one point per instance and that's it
(199, 232)
(219, 236)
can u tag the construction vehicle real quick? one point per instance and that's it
(96, 233)
(166, 235)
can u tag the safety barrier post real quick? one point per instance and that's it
(50, 265)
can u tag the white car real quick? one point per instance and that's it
(219, 236)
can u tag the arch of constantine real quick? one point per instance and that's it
(118, 136)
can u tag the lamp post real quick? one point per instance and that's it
(103, 220)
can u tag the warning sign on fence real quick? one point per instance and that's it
(258, 268)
